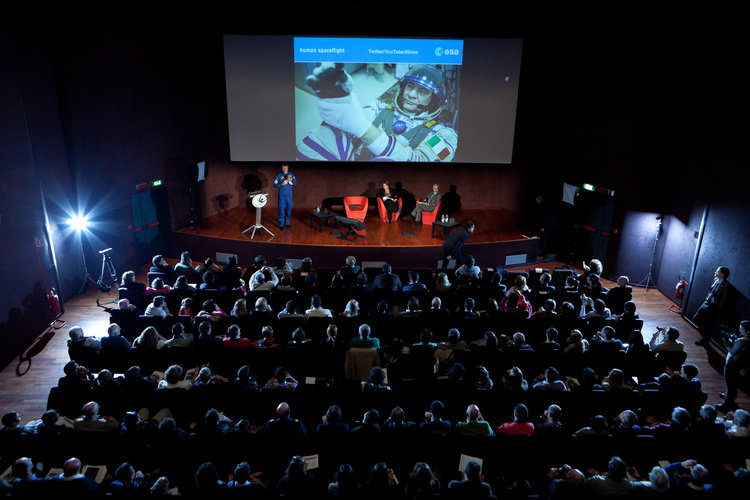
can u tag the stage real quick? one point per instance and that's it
(497, 240)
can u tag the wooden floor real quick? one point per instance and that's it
(491, 226)
(24, 386)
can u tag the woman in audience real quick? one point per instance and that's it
(344, 483)
(157, 287)
(576, 344)
(240, 309)
(173, 379)
(351, 310)
(245, 480)
(513, 381)
(519, 286)
(149, 340)
(382, 483)
(594, 267)
(592, 286)
(182, 286)
(481, 380)
(488, 342)
(491, 311)
(207, 482)
(422, 483)
(186, 308)
(297, 482)
(129, 282)
(206, 379)
(442, 284)
(515, 305)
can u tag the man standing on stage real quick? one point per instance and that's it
(284, 182)
(428, 204)
(719, 303)
(454, 243)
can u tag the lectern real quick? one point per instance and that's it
(259, 201)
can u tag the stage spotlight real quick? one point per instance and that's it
(78, 222)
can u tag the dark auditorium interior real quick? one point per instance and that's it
(644, 113)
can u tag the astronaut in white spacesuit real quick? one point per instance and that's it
(408, 129)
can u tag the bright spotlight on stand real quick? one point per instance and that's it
(78, 222)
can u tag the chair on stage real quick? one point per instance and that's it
(356, 207)
(384, 213)
(429, 217)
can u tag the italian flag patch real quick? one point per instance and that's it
(439, 147)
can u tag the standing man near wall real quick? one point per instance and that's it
(719, 303)
(284, 182)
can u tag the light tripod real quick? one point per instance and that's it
(107, 268)
(649, 280)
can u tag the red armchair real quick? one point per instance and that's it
(384, 213)
(429, 217)
(356, 207)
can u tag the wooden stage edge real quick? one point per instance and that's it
(497, 239)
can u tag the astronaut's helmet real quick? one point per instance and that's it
(423, 77)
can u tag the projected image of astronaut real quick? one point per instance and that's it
(413, 120)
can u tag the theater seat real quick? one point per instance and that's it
(356, 207)
(429, 217)
(384, 214)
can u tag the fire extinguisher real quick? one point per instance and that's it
(679, 290)
(54, 309)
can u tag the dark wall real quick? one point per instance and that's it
(726, 241)
(33, 174)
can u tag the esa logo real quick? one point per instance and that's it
(448, 52)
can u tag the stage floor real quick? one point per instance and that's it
(492, 226)
(497, 240)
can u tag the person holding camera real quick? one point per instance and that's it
(736, 366)
(665, 340)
